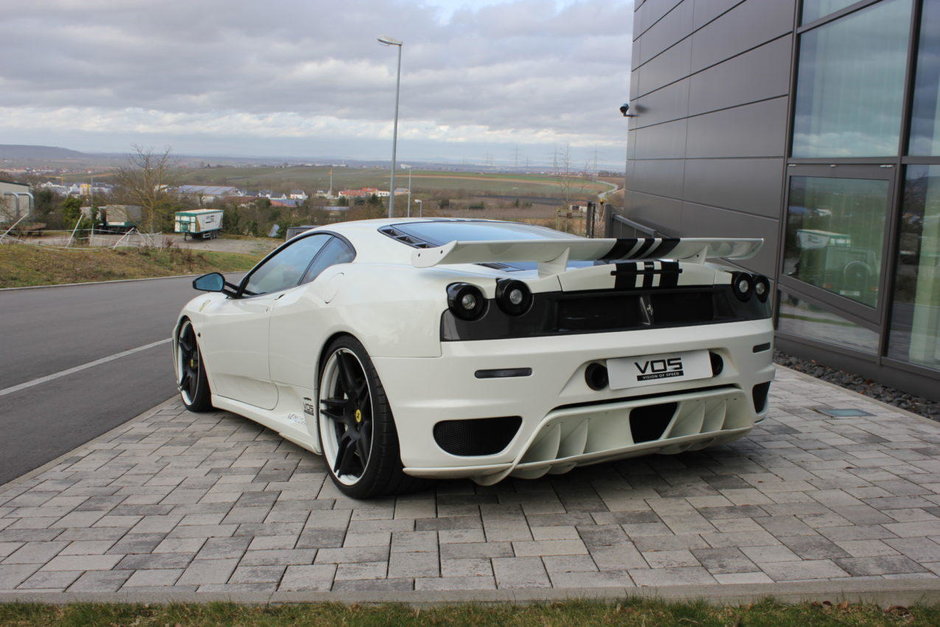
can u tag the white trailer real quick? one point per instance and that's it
(201, 223)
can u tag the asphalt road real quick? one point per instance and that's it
(47, 331)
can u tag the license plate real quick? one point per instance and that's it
(631, 372)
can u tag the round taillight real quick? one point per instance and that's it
(761, 288)
(466, 301)
(742, 284)
(513, 297)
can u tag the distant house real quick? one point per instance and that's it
(298, 194)
(363, 192)
(208, 193)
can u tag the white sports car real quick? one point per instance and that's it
(415, 348)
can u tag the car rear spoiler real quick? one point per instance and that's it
(553, 255)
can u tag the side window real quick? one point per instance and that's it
(286, 268)
(336, 252)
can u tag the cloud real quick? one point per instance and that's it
(503, 71)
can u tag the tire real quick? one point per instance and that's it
(191, 375)
(357, 430)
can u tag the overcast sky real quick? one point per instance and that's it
(482, 80)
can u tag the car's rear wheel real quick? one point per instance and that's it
(357, 431)
(190, 373)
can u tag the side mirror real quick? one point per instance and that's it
(213, 282)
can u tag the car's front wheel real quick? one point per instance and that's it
(190, 373)
(357, 431)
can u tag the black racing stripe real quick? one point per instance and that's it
(649, 272)
(624, 276)
(621, 248)
(670, 274)
(647, 244)
(667, 246)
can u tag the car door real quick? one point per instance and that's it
(297, 334)
(236, 340)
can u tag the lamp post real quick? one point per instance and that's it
(420, 204)
(388, 41)
(409, 189)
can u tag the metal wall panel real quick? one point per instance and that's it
(672, 65)
(664, 105)
(676, 25)
(755, 75)
(662, 177)
(663, 214)
(663, 141)
(650, 12)
(754, 186)
(746, 26)
(756, 130)
(704, 221)
(707, 10)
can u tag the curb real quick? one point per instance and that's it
(881, 592)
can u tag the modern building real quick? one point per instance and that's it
(814, 124)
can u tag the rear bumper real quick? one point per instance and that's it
(564, 422)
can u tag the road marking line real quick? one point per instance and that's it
(90, 364)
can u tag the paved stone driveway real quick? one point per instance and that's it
(177, 502)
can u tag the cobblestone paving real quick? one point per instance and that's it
(174, 501)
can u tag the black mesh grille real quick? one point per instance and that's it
(648, 423)
(479, 436)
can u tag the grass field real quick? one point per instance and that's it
(312, 178)
(24, 265)
(628, 612)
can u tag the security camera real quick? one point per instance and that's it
(623, 110)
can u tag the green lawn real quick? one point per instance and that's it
(627, 612)
(23, 265)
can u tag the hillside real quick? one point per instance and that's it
(22, 152)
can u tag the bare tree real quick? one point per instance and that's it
(146, 180)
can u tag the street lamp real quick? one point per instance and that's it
(408, 167)
(388, 41)
(420, 204)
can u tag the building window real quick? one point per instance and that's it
(804, 320)
(915, 318)
(850, 84)
(815, 9)
(835, 231)
(925, 120)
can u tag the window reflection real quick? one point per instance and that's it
(850, 84)
(835, 230)
(925, 121)
(815, 9)
(802, 319)
(915, 320)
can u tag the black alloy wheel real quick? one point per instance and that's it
(357, 431)
(190, 373)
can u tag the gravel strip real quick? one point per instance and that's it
(857, 383)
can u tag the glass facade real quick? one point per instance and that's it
(815, 9)
(915, 315)
(835, 233)
(850, 84)
(800, 318)
(854, 91)
(925, 118)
